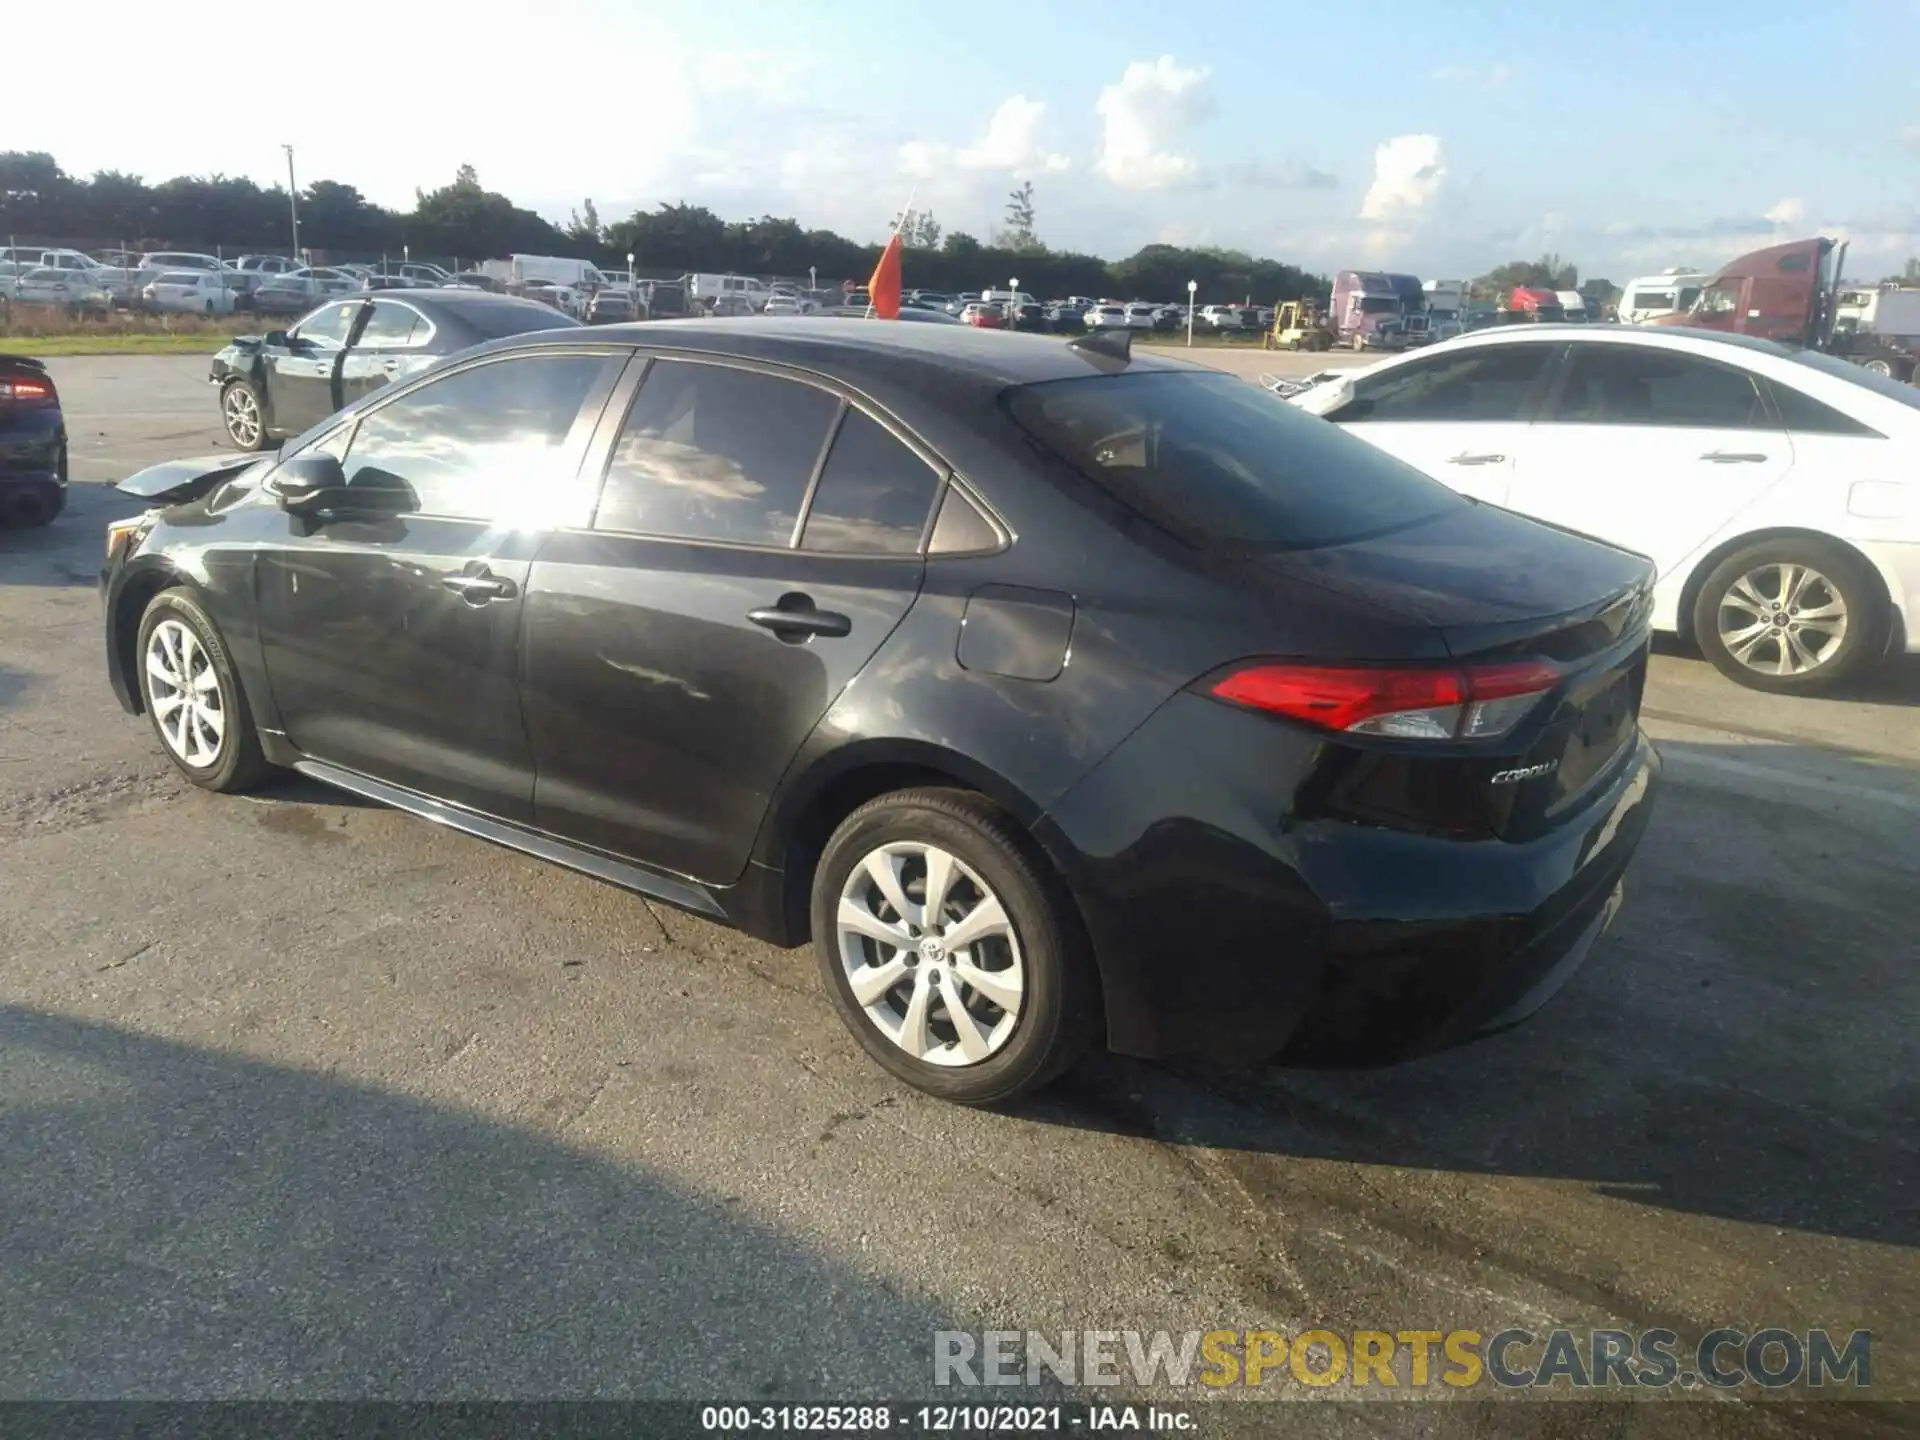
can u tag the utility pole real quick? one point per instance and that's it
(293, 202)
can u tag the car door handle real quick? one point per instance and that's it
(1467, 459)
(478, 587)
(1735, 457)
(795, 619)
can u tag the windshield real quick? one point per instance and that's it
(1379, 305)
(1228, 467)
(1885, 385)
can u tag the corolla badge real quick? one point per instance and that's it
(1524, 772)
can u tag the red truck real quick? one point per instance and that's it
(1785, 292)
(1533, 303)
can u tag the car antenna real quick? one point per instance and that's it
(1110, 349)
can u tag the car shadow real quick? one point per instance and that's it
(1740, 1045)
(69, 551)
(194, 1224)
(1894, 681)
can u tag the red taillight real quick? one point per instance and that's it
(1404, 702)
(25, 391)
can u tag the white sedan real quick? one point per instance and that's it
(200, 292)
(45, 285)
(1777, 491)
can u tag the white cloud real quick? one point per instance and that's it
(1787, 212)
(1146, 116)
(1408, 171)
(1010, 144)
(1011, 141)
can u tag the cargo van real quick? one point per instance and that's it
(1672, 292)
(707, 291)
(554, 270)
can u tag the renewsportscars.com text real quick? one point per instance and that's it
(1514, 1359)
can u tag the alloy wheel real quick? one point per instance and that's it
(242, 416)
(1782, 619)
(930, 954)
(184, 691)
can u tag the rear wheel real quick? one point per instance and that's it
(193, 695)
(949, 952)
(1793, 616)
(1878, 367)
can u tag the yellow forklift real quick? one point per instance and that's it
(1298, 325)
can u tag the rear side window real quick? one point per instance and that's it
(874, 494)
(710, 452)
(389, 325)
(1486, 385)
(1221, 463)
(1639, 385)
(1801, 414)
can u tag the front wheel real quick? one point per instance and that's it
(193, 695)
(951, 954)
(1878, 367)
(1794, 617)
(240, 412)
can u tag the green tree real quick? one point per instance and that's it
(583, 230)
(1019, 236)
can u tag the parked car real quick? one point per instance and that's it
(1218, 317)
(985, 315)
(912, 313)
(662, 299)
(257, 270)
(75, 290)
(1243, 736)
(296, 292)
(155, 262)
(33, 444)
(564, 298)
(1031, 317)
(1141, 317)
(1066, 319)
(1106, 317)
(201, 292)
(789, 303)
(281, 383)
(1765, 483)
(610, 307)
(476, 280)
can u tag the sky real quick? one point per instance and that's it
(1438, 139)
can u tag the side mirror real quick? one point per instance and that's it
(278, 338)
(307, 483)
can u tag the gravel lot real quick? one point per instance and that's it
(303, 1098)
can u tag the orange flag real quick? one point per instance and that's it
(884, 287)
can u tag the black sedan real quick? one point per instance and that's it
(1051, 692)
(33, 444)
(280, 383)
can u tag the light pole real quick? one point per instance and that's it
(1193, 287)
(1013, 302)
(631, 282)
(293, 201)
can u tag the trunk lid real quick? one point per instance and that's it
(1498, 587)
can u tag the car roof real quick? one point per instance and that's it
(856, 348)
(1615, 334)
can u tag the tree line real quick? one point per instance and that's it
(41, 204)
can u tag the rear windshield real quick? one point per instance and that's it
(1845, 370)
(1224, 464)
(494, 321)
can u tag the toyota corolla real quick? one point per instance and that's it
(1054, 694)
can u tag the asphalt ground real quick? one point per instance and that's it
(303, 1098)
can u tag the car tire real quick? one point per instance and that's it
(178, 653)
(243, 416)
(1767, 610)
(1878, 367)
(1034, 1009)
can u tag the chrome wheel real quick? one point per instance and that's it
(242, 413)
(1782, 619)
(930, 954)
(1879, 367)
(184, 693)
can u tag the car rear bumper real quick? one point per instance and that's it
(30, 453)
(1225, 925)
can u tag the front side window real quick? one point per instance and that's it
(710, 452)
(329, 325)
(1719, 299)
(1489, 385)
(1640, 385)
(1222, 464)
(480, 444)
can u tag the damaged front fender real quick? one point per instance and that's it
(175, 482)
